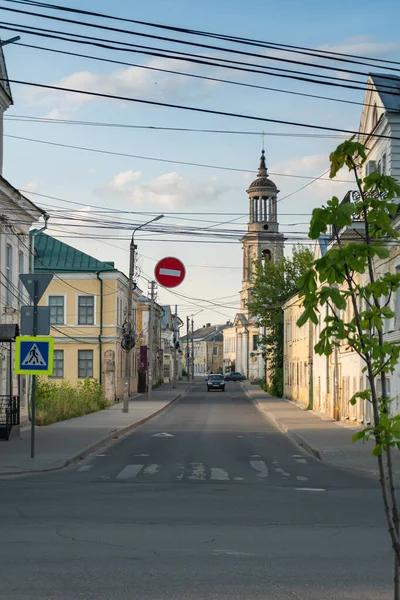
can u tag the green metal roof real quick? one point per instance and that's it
(53, 255)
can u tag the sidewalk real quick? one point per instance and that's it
(329, 441)
(63, 443)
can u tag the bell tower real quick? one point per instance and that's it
(262, 240)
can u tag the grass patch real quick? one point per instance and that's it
(60, 401)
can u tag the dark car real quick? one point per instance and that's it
(234, 376)
(215, 381)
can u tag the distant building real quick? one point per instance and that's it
(143, 323)
(207, 349)
(170, 343)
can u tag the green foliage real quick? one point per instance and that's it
(273, 284)
(60, 401)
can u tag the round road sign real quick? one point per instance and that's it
(169, 272)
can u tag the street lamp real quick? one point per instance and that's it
(128, 338)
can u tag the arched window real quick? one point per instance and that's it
(266, 254)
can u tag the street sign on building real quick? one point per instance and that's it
(34, 355)
(43, 320)
(169, 272)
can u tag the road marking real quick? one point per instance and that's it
(151, 469)
(260, 467)
(233, 553)
(129, 471)
(219, 474)
(301, 460)
(297, 456)
(284, 474)
(142, 454)
(170, 272)
(254, 456)
(84, 468)
(301, 478)
(198, 472)
(304, 489)
(101, 454)
(163, 435)
(278, 470)
(238, 479)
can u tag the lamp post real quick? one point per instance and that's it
(128, 337)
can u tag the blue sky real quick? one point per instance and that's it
(134, 184)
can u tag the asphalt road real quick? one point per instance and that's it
(208, 500)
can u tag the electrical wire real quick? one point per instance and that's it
(320, 53)
(197, 109)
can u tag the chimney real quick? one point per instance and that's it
(208, 324)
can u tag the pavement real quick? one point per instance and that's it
(207, 500)
(329, 441)
(63, 443)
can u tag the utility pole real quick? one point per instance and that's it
(151, 342)
(129, 333)
(187, 349)
(192, 363)
(175, 328)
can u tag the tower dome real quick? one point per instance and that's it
(262, 180)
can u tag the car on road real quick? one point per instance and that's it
(235, 376)
(215, 381)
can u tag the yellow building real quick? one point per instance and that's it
(297, 354)
(87, 300)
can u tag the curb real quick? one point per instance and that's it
(114, 435)
(300, 441)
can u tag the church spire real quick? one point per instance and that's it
(262, 169)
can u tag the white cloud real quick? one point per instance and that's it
(363, 46)
(31, 186)
(127, 82)
(56, 114)
(121, 179)
(170, 190)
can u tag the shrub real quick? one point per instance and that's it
(60, 401)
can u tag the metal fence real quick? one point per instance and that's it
(9, 415)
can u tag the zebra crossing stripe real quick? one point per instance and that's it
(260, 467)
(130, 471)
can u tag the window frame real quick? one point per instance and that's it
(55, 359)
(20, 286)
(64, 296)
(86, 359)
(78, 296)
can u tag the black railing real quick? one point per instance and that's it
(9, 415)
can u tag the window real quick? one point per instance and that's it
(255, 342)
(9, 274)
(215, 350)
(85, 310)
(56, 304)
(85, 363)
(20, 270)
(58, 364)
(267, 256)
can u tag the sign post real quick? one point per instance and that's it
(34, 355)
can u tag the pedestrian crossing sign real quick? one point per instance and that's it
(34, 355)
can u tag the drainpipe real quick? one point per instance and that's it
(101, 330)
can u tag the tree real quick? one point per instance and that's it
(348, 273)
(275, 281)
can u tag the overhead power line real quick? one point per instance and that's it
(181, 41)
(327, 54)
(164, 160)
(193, 75)
(194, 109)
(197, 59)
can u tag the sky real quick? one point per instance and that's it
(145, 184)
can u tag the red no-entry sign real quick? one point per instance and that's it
(169, 272)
